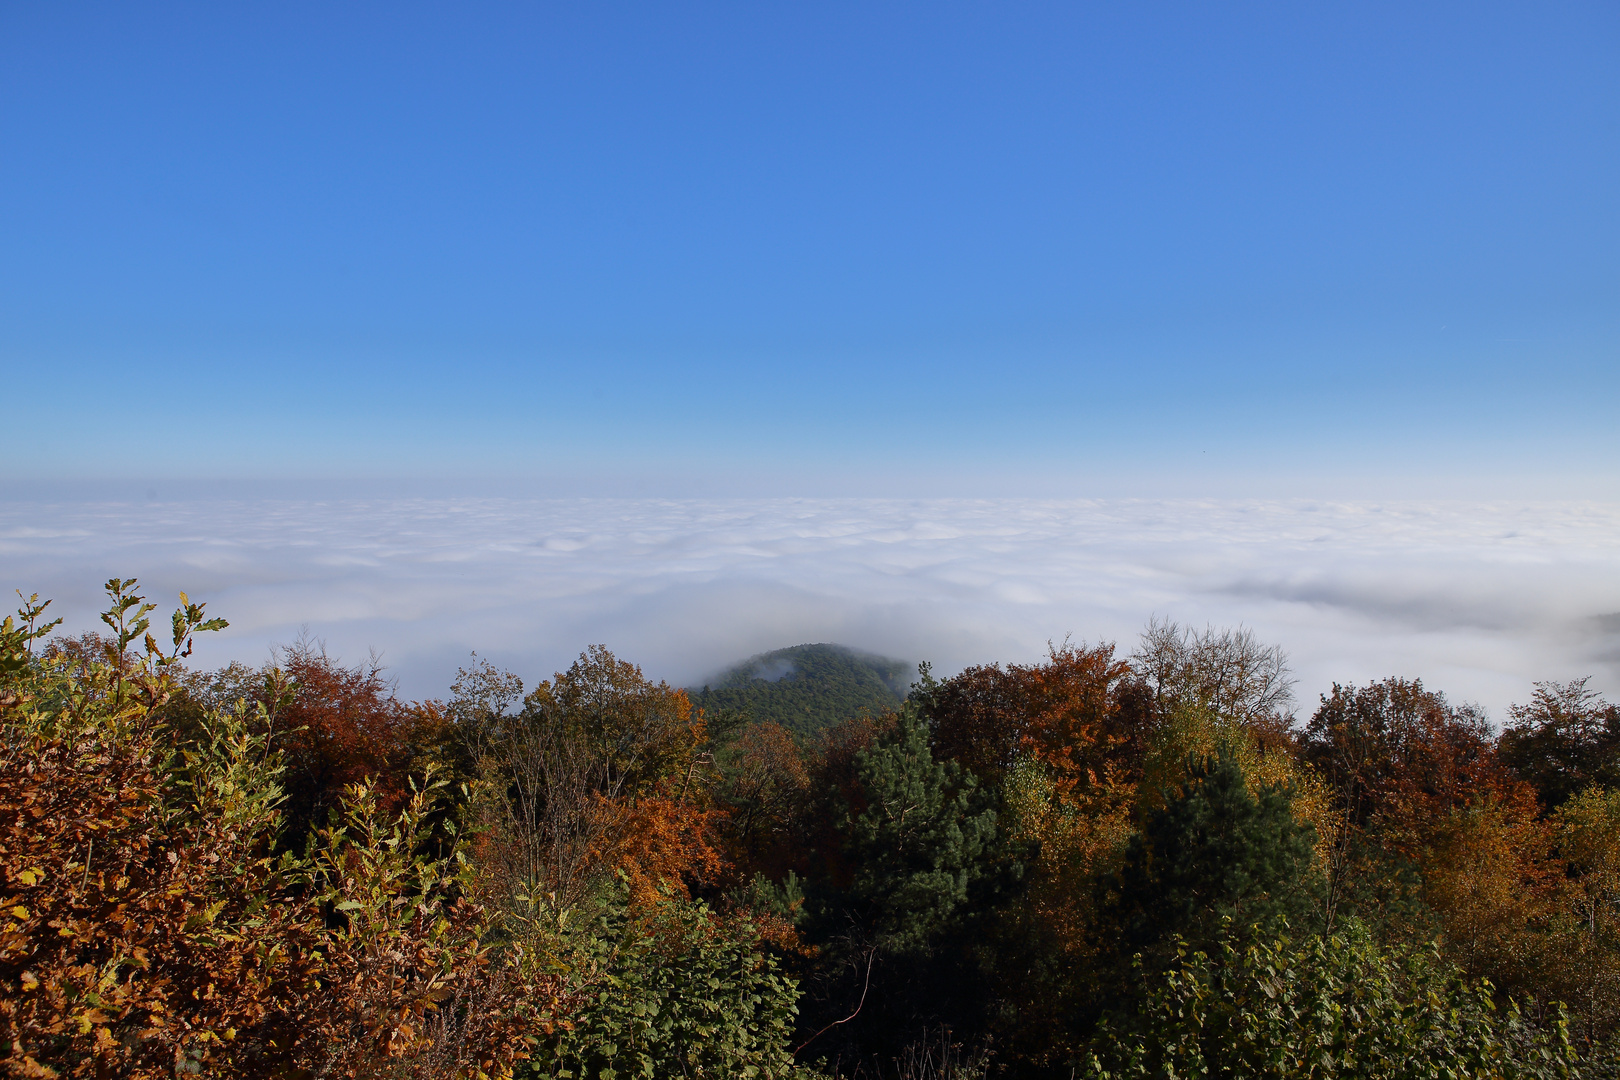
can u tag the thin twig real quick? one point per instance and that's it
(871, 954)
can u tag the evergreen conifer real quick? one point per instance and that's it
(1215, 851)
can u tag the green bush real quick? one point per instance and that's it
(675, 992)
(1334, 1007)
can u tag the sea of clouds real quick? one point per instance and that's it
(1478, 599)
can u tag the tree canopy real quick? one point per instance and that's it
(1099, 864)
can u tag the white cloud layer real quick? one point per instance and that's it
(1478, 599)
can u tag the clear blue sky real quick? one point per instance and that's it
(913, 243)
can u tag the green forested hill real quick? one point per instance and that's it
(807, 687)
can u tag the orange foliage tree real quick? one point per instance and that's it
(149, 931)
(1073, 712)
(599, 770)
(1421, 778)
(764, 786)
(1063, 740)
(337, 726)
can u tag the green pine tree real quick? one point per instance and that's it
(1215, 851)
(917, 844)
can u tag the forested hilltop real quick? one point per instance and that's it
(1116, 862)
(807, 688)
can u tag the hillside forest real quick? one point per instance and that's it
(807, 688)
(1120, 861)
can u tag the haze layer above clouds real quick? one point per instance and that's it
(1477, 599)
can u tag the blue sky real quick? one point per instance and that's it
(832, 247)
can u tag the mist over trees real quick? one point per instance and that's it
(1149, 862)
(806, 688)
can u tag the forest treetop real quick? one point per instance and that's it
(1097, 864)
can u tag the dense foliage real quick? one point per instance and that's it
(151, 927)
(674, 992)
(1096, 865)
(1336, 1006)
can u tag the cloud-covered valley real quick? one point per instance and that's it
(1478, 599)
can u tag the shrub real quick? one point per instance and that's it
(676, 991)
(1332, 1007)
(148, 930)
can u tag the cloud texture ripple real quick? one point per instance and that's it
(1478, 599)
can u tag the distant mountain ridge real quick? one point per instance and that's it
(806, 688)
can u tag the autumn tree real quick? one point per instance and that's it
(1420, 782)
(1567, 738)
(1489, 875)
(339, 725)
(599, 770)
(151, 931)
(1586, 830)
(1076, 750)
(1401, 756)
(1074, 712)
(1060, 744)
(763, 787)
(105, 955)
(333, 724)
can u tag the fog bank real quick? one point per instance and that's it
(1477, 598)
